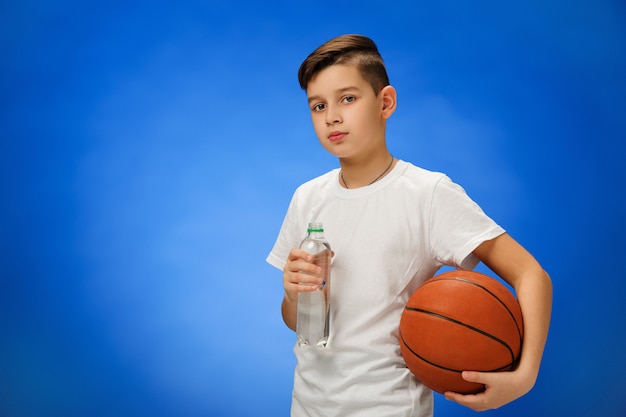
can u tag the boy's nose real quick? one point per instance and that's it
(332, 115)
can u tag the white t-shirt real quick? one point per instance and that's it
(388, 238)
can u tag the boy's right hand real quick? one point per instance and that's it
(300, 274)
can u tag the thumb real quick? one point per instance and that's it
(473, 376)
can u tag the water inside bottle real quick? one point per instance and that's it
(313, 321)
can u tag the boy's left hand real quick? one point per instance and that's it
(500, 388)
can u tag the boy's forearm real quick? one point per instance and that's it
(534, 294)
(290, 312)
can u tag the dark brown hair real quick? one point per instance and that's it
(356, 50)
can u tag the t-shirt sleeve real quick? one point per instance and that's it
(288, 238)
(458, 225)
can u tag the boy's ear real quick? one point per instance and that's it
(389, 99)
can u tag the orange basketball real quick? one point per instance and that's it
(460, 321)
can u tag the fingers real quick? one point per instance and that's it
(301, 263)
(300, 274)
(476, 402)
(297, 253)
(468, 376)
(489, 399)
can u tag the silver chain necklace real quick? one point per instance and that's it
(377, 178)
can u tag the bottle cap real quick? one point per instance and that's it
(315, 228)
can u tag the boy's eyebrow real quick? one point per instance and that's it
(339, 91)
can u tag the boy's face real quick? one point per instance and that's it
(348, 118)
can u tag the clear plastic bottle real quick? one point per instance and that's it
(312, 325)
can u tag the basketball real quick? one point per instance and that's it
(460, 321)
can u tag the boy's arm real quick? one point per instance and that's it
(509, 260)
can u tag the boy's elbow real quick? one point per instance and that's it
(545, 277)
(547, 282)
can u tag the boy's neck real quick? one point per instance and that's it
(361, 173)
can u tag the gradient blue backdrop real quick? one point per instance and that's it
(148, 151)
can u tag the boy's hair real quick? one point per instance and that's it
(356, 50)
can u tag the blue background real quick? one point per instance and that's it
(148, 151)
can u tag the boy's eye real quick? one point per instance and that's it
(348, 99)
(319, 107)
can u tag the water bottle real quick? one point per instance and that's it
(312, 324)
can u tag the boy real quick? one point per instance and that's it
(391, 226)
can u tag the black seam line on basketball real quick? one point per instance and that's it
(484, 333)
(436, 365)
(519, 332)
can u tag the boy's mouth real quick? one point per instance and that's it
(336, 136)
